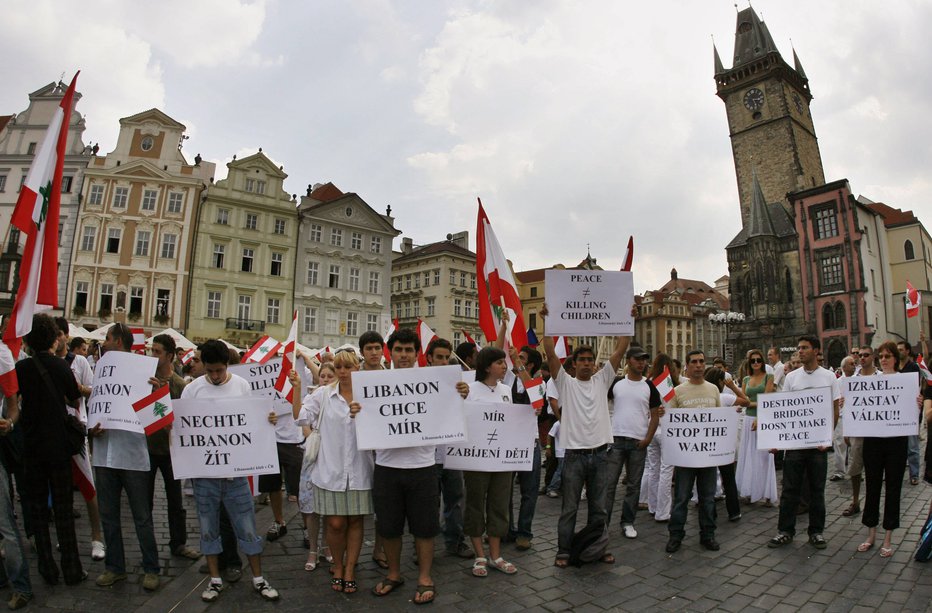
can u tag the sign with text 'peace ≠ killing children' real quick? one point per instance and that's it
(697, 438)
(589, 302)
(882, 406)
(500, 438)
(795, 420)
(408, 407)
(261, 379)
(120, 379)
(220, 438)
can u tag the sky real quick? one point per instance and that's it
(577, 123)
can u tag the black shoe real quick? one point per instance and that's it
(673, 545)
(710, 544)
(734, 517)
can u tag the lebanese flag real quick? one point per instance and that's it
(36, 215)
(9, 384)
(664, 384)
(913, 299)
(561, 348)
(283, 384)
(629, 256)
(537, 391)
(186, 357)
(391, 330)
(264, 349)
(326, 349)
(923, 369)
(154, 411)
(497, 287)
(425, 335)
(139, 339)
(468, 338)
(82, 475)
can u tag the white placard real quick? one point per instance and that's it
(408, 407)
(120, 379)
(697, 438)
(881, 406)
(261, 379)
(222, 437)
(795, 420)
(500, 438)
(589, 302)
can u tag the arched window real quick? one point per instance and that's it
(839, 315)
(828, 317)
(908, 248)
(789, 286)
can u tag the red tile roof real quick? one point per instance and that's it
(439, 247)
(4, 119)
(531, 276)
(892, 216)
(326, 192)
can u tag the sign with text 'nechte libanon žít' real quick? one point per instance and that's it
(120, 379)
(261, 379)
(408, 407)
(698, 438)
(882, 406)
(589, 302)
(500, 438)
(795, 420)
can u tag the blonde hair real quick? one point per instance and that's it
(346, 359)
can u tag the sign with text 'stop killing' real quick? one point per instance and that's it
(261, 379)
(589, 302)
(882, 406)
(120, 379)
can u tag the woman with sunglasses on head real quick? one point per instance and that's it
(757, 476)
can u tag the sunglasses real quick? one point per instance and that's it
(866, 355)
(756, 361)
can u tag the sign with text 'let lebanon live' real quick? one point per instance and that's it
(589, 302)
(120, 379)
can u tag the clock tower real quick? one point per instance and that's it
(770, 126)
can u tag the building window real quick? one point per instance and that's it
(407, 281)
(352, 323)
(417, 308)
(168, 246)
(143, 237)
(88, 238)
(148, 199)
(431, 306)
(252, 221)
(356, 241)
(273, 311)
(472, 281)
(375, 244)
(162, 301)
(80, 294)
(106, 297)
(316, 231)
(213, 304)
(250, 185)
(310, 319)
(374, 282)
(908, 250)
(839, 315)
(831, 272)
(135, 300)
(457, 338)
(462, 279)
(468, 309)
(175, 199)
(31, 149)
(243, 307)
(372, 323)
(113, 240)
(436, 276)
(417, 280)
(260, 187)
(2, 183)
(279, 225)
(532, 323)
(354, 279)
(120, 196)
(336, 237)
(426, 278)
(533, 292)
(276, 268)
(219, 254)
(407, 309)
(825, 222)
(334, 279)
(313, 270)
(96, 195)
(66, 182)
(332, 324)
(223, 217)
(452, 277)
(457, 307)
(248, 256)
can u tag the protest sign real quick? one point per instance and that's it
(697, 438)
(120, 379)
(408, 407)
(500, 438)
(261, 378)
(589, 302)
(881, 406)
(218, 438)
(795, 420)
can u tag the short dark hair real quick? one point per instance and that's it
(714, 375)
(812, 340)
(534, 359)
(369, 337)
(76, 342)
(44, 333)
(442, 343)
(406, 336)
(121, 332)
(909, 348)
(465, 350)
(694, 352)
(166, 341)
(487, 356)
(582, 349)
(214, 352)
(62, 324)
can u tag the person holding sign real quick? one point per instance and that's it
(233, 493)
(586, 429)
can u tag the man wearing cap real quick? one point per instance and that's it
(635, 418)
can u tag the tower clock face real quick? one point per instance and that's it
(754, 99)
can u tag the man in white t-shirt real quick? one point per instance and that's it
(839, 447)
(586, 430)
(811, 463)
(773, 360)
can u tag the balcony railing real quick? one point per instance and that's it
(252, 325)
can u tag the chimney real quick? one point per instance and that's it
(407, 245)
(460, 239)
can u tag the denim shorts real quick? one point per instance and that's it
(234, 494)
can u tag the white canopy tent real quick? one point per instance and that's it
(98, 334)
(180, 339)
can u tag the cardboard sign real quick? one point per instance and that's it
(697, 438)
(408, 407)
(589, 302)
(120, 379)
(500, 438)
(795, 420)
(261, 379)
(221, 438)
(881, 406)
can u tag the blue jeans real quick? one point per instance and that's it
(236, 498)
(557, 481)
(704, 479)
(15, 566)
(529, 482)
(451, 489)
(799, 466)
(110, 484)
(589, 469)
(912, 456)
(625, 454)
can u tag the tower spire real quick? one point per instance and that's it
(798, 65)
(760, 223)
(719, 69)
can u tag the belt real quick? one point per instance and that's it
(591, 451)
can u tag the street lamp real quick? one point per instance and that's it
(724, 319)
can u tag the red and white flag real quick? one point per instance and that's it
(283, 383)
(913, 300)
(139, 339)
(923, 369)
(186, 357)
(9, 384)
(36, 215)
(265, 349)
(561, 348)
(385, 352)
(537, 391)
(320, 353)
(82, 475)
(664, 384)
(497, 288)
(154, 411)
(425, 335)
(629, 256)
(468, 338)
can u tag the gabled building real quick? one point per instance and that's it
(132, 253)
(244, 263)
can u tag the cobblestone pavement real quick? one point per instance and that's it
(744, 576)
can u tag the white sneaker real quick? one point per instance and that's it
(266, 591)
(98, 551)
(629, 531)
(212, 592)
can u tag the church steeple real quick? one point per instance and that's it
(760, 223)
(719, 68)
(752, 38)
(799, 66)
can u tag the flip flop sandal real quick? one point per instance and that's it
(886, 552)
(381, 562)
(349, 586)
(391, 584)
(865, 546)
(423, 589)
(336, 584)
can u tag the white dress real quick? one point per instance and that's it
(756, 474)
